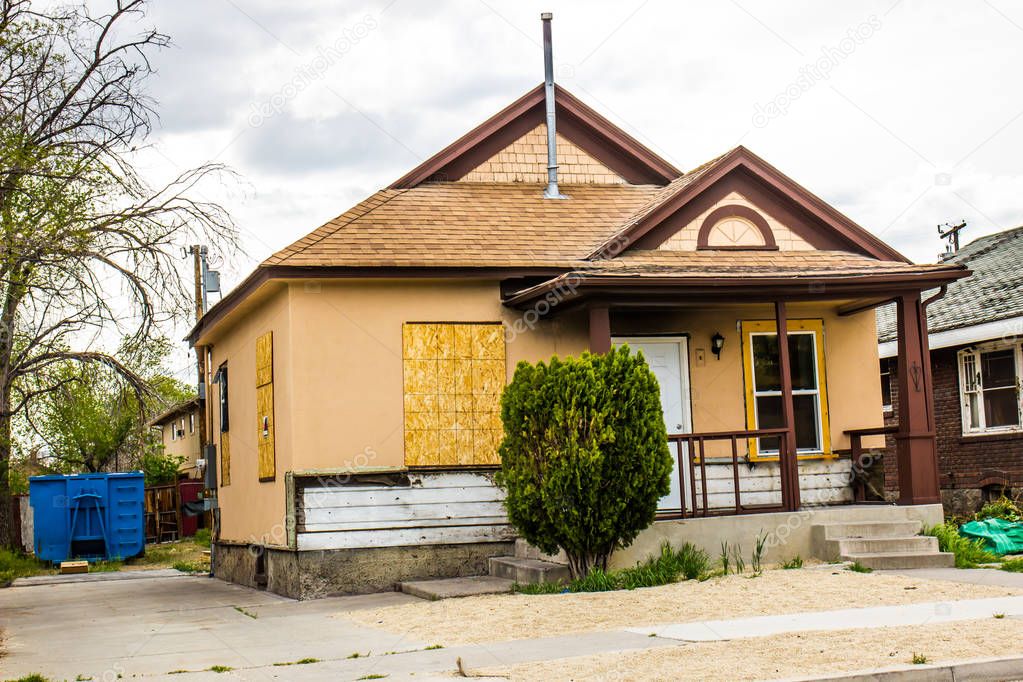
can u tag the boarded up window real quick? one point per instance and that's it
(265, 406)
(454, 376)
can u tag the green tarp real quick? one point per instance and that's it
(998, 535)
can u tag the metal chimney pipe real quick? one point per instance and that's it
(552, 191)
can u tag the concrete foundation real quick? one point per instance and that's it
(320, 573)
(788, 533)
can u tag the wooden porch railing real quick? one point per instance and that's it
(695, 456)
(856, 451)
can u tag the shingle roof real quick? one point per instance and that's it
(469, 224)
(993, 292)
(810, 264)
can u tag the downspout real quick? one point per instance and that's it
(552, 191)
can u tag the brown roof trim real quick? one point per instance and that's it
(742, 158)
(729, 288)
(183, 407)
(264, 274)
(580, 123)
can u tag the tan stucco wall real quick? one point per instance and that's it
(349, 411)
(338, 374)
(254, 511)
(685, 239)
(187, 447)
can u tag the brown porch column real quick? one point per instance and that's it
(916, 454)
(600, 329)
(787, 456)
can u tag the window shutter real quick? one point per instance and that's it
(265, 407)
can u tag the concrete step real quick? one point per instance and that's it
(914, 544)
(869, 529)
(527, 571)
(524, 550)
(825, 537)
(903, 560)
(449, 588)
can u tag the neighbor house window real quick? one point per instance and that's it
(191, 423)
(453, 378)
(886, 386)
(989, 379)
(809, 390)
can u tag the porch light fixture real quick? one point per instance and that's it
(717, 342)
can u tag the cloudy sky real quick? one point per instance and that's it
(902, 114)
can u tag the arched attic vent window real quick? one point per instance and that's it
(735, 228)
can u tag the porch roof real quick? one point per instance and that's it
(650, 276)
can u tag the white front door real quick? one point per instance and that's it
(668, 358)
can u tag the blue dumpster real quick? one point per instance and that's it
(87, 516)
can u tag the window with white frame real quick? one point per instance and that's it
(989, 379)
(191, 422)
(809, 391)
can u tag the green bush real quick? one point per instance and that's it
(1002, 508)
(159, 468)
(968, 552)
(202, 537)
(585, 455)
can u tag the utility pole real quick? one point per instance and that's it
(951, 233)
(200, 268)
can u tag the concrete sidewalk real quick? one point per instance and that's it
(163, 624)
(925, 613)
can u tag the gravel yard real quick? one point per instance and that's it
(506, 617)
(784, 656)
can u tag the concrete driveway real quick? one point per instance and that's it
(159, 622)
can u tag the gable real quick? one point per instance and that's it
(577, 123)
(788, 215)
(734, 222)
(525, 160)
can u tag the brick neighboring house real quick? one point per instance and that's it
(976, 344)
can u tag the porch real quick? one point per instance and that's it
(759, 435)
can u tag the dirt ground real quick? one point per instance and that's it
(793, 655)
(505, 617)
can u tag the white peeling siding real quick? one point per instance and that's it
(434, 509)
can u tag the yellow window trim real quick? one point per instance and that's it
(770, 326)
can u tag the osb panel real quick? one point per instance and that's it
(453, 378)
(525, 160)
(265, 359)
(685, 239)
(265, 432)
(225, 459)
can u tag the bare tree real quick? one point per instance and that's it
(87, 246)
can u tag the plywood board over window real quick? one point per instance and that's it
(265, 407)
(454, 374)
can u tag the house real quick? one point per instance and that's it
(976, 330)
(355, 376)
(179, 433)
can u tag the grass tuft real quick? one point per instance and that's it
(1013, 565)
(793, 563)
(17, 565)
(670, 566)
(969, 553)
(220, 668)
(919, 659)
(857, 567)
